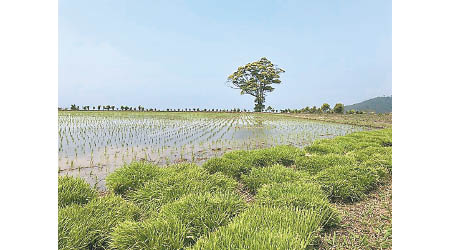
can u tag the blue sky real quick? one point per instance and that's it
(178, 54)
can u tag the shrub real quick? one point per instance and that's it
(300, 195)
(172, 185)
(153, 233)
(74, 191)
(350, 183)
(205, 212)
(266, 228)
(89, 226)
(316, 163)
(131, 177)
(273, 174)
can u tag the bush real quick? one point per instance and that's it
(316, 163)
(89, 226)
(350, 183)
(174, 184)
(300, 195)
(205, 212)
(131, 177)
(153, 233)
(74, 191)
(266, 228)
(273, 174)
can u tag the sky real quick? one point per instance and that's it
(178, 54)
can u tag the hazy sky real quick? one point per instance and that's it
(178, 54)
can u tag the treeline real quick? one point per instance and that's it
(325, 108)
(74, 107)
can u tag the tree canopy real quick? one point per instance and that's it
(256, 79)
(338, 108)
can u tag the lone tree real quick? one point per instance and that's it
(256, 79)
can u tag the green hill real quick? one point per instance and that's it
(377, 104)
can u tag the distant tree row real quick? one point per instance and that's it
(74, 107)
(326, 108)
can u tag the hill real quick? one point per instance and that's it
(377, 104)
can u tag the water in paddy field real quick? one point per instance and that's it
(93, 144)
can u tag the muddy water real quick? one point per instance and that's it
(93, 144)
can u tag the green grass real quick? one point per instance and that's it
(355, 141)
(315, 163)
(284, 155)
(89, 226)
(73, 190)
(350, 183)
(205, 212)
(158, 233)
(229, 167)
(131, 177)
(178, 181)
(273, 174)
(374, 156)
(266, 228)
(179, 223)
(239, 162)
(300, 195)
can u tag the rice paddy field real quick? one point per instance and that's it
(281, 183)
(93, 144)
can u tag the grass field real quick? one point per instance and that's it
(332, 194)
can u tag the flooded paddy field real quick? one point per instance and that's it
(93, 144)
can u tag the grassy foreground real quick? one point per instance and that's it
(275, 198)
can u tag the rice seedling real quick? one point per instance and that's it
(273, 174)
(74, 191)
(205, 212)
(266, 228)
(177, 181)
(302, 195)
(374, 156)
(131, 177)
(187, 206)
(229, 167)
(89, 226)
(350, 183)
(103, 137)
(315, 163)
(153, 233)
